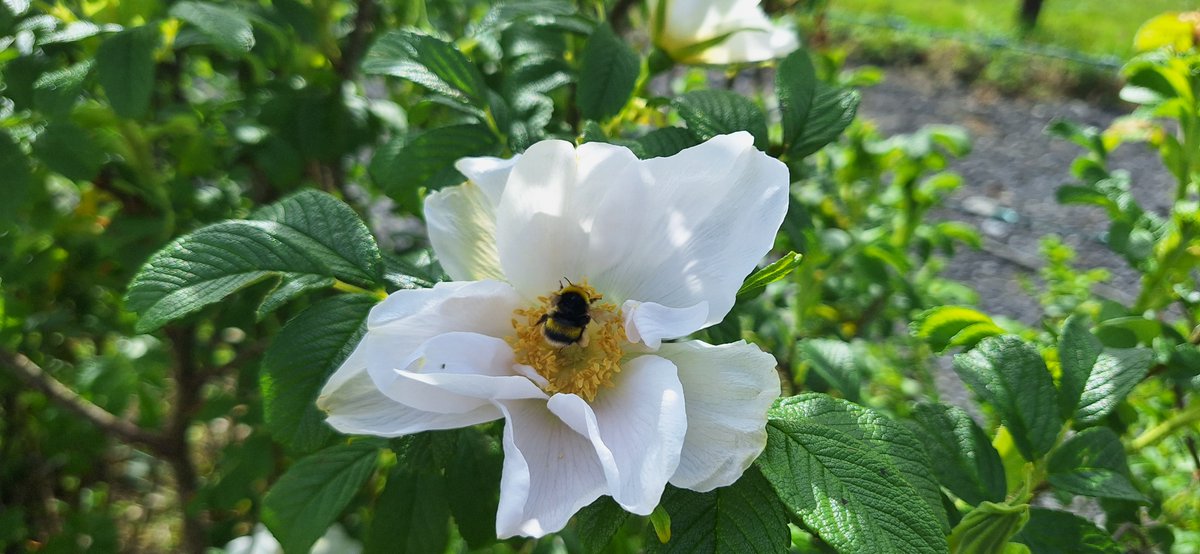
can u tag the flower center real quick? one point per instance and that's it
(572, 339)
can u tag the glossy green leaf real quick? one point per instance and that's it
(56, 92)
(404, 167)
(829, 113)
(900, 447)
(307, 234)
(1055, 532)
(1092, 463)
(125, 65)
(1078, 351)
(709, 113)
(226, 28)
(411, 516)
(757, 282)
(945, 327)
(608, 71)
(964, 460)
(311, 494)
(835, 362)
(300, 359)
(1011, 376)
(662, 142)
(597, 523)
(427, 61)
(1115, 374)
(69, 150)
(744, 517)
(796, 86)
(845, 491)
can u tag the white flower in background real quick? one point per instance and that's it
(719, 31)
(335, 541)
(647, 251)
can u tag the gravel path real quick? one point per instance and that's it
(1014, 169)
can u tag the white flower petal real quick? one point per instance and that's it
(459, 372)
(356, 406)
(752, 45)
(396, 328)
(489, 173)
(728, 390)
(550, 471)
(690, 228)
(410, 317)
(637, 428)
(754, 38)
(544, 218)
(462, 228)
(651, 323)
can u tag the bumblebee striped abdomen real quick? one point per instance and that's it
(568, 317)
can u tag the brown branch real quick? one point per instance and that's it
(34, 376)
(357, 41)
(188, 383)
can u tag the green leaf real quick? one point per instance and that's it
(402, 168)
(301, 358)
(55, 92)
(226, 28)
(608, 71)
(846, 492)
(744, 517)
(1092, 463)
(18, 180)
(125, 65)
(473, 487)
(709, 113)
(597, 523)
(663, 142)
(835, 362)
(336, 226)
(902, 449)
(1078, 351)
(1115, 374)
(411, 515)
(945, 327)
(1011, 376)
(963, 457)
(310, 496)
(988, 528)
(796, 86)
(427, 61)
(307, 234)
(831, 112)
(1055, 532)
(70, 150)
(756, 283)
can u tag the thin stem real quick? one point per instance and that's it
(1153, 435)
(62, 395)
(343, 286)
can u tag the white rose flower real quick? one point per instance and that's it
(647, 250)
(719, 31)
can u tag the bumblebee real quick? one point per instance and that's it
(569, 314)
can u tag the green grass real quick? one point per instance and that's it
(1094, 27)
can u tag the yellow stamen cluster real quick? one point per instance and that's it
(583, 368)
